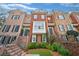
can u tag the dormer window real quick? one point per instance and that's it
(61, 17)
(35, 16)
(42, 16)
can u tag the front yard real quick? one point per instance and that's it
(44, 49)
(42, 52)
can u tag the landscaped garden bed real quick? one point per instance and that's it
(45, 49)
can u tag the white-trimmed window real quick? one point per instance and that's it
(26, 31)
(61, 27)
(78, 17)
(15, 28)
(44, 38)
(15, 17)
(42, 16)
(61, 17)
(33, 38)
(70, 27)
(50, 30)
(35, 16)
(6, 28)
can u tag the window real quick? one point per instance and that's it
(1, 38)
(15, 28)
(42, 16)
(77, 38)
(61, 17)
(50, 30)
(21, 34)
(3, 28)
(15, 17)
(33, 38)
(6, 28)
(43, 38)
(35, 16)
(39, 27)
(78, 17)
(61, 27)
(70, 27)
(26, 31)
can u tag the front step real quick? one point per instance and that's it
(15, 50)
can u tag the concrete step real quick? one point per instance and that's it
(15, 50)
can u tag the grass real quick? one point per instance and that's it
(41, 52)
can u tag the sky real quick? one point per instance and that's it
(28, 7)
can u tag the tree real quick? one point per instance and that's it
(71, 35)
(51, 39)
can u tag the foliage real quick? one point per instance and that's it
(64, 52)
(73, 33)
(51, 39)
(49, 47)
(33, 45)
(58, 47)
(43, 45)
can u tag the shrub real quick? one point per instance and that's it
(64, 52)
(43, 45)
(55, 46)
(33, 45)
(58, 47)
(49, 47)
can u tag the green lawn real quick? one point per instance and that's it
(41, 52)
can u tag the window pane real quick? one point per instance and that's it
(21, 34)
(61, 27)
(42, 16)
(16, 28)
(33, 38)
(50, 30)
(61, 17)
(15, 17)
(3, 28)
(43, 38)
(7, 28)
(26, 32)
(13, 28)
(70, 27)
(35, 16)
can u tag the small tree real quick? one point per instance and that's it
(72, 33)
(51, 39)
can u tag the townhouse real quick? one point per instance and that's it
(22, 28)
